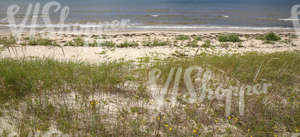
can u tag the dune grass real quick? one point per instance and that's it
(7, 41)
(229, 38)
(40, 41)
(207, 44)
(280, 69)
(77, 42)
(109, 44)
(35, 81)
(127, 44)
(197, 37)
(193, 43)
(155, 43)
(183, 37)
(22, 77)
(269, 38)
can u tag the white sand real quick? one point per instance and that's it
(98, 54)
(102, 54)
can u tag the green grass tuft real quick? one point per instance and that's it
(229, 38)
(207, 44)
(41, 42)
(271, 36)
(196, 38)
(77, 42)
(93, 44)
(8, 41)
(127, 44)
(193, 43)
(109, 44)
(155, 43)
(183, 37)
(19, 78)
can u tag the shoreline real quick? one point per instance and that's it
(183, 29)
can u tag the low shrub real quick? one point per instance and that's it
(271, 36)
(229, 38)
(128, 44)
(206, 44)
(182, 37)
(78, 42)
(108, 44)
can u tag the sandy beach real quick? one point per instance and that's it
(172, 45)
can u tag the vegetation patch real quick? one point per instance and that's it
(269, 38)
(193, 43)
(7, 41)
(79, 108)
(22, 77)
(155, 43)
(109, 44)
(207, 44)
(229, 38)
(127, 44)
(40, 41)
(183, 37)
(77, 42)
(196, 38)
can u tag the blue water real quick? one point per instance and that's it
(154, 13)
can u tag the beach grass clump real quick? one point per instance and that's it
(155, 43)
(207, 44)
(19, 78)
(76, 42)
(109, 44)
(183, 37)
(127, 44)
(193, 43)
(271, 36)
(41, 42)
(229, 38)
(8, 41)
(93, 44)
(196, 38)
